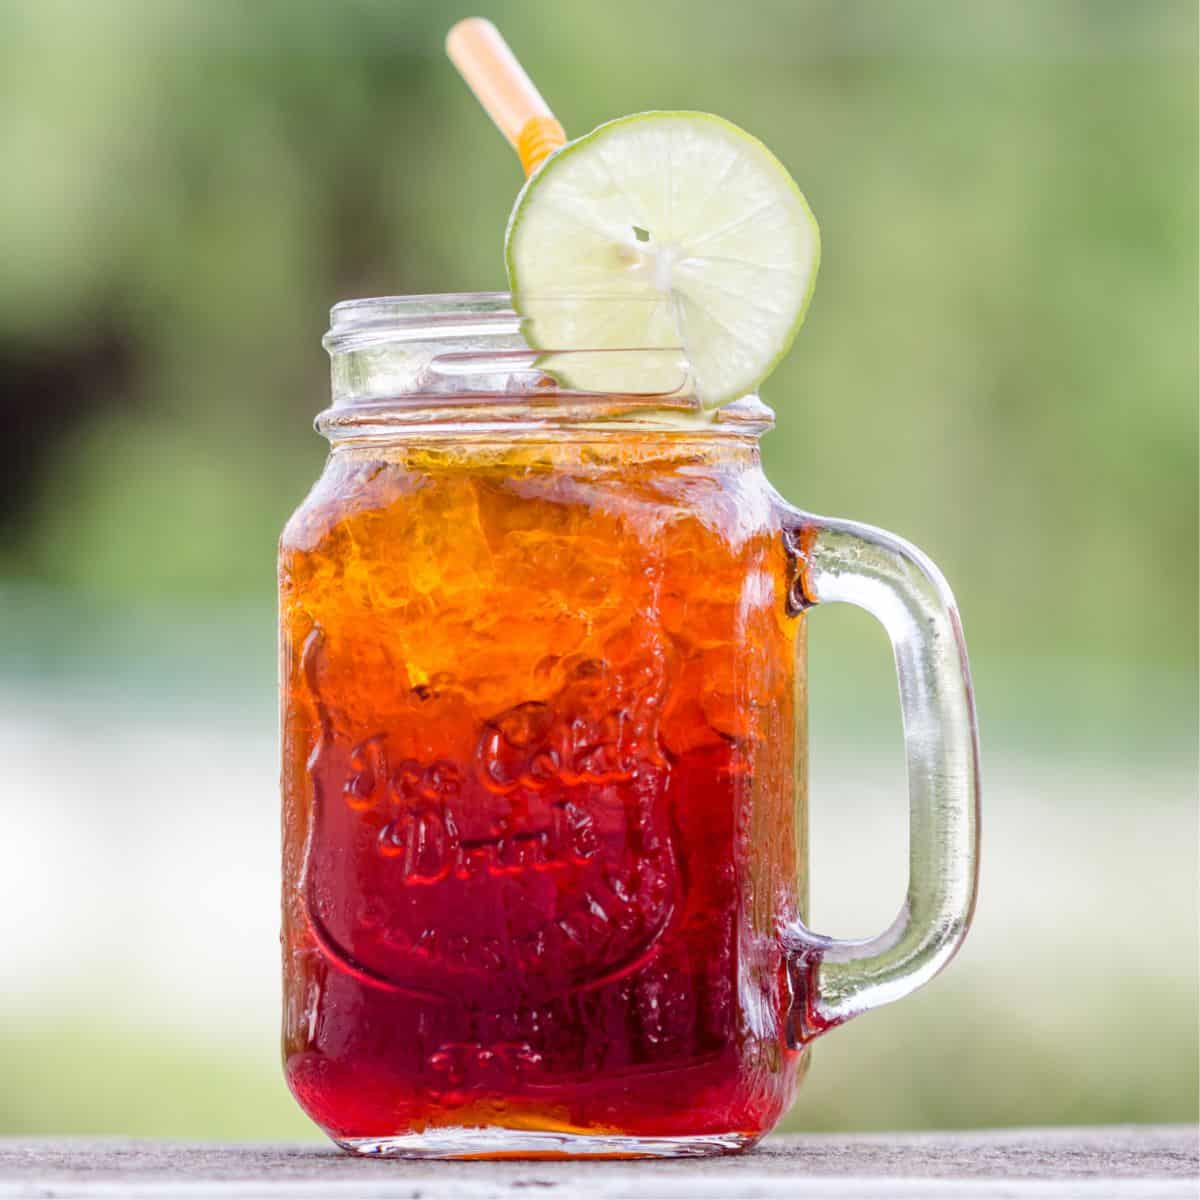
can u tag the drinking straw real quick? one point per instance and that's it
(507, 94)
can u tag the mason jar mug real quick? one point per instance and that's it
(544, 756)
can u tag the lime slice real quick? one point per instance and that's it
(663, 229)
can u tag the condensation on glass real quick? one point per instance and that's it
(544, 756)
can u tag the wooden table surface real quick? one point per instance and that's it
(1118, 1162)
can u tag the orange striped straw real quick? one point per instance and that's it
(507, 94)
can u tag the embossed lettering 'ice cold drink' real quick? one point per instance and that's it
(544, 758)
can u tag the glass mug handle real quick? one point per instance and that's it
(832, 979)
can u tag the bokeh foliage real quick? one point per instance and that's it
(1000, 362)
(1000, 359)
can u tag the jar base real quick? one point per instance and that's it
(467, 1143)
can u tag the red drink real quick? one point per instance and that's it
(540, 769)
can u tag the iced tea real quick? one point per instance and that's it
(540, 778)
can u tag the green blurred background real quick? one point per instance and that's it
(1000, 362)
